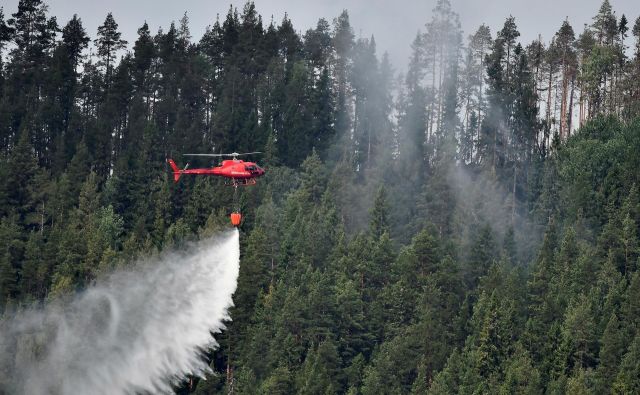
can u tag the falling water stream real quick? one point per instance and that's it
(138, 330)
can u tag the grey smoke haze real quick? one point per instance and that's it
(393, 23)
(137, 331)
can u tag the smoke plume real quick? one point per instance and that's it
(138, 331)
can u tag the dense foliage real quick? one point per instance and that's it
(471, 226)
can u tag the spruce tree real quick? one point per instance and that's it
(611, 352)
(627, 381)
(379, 214)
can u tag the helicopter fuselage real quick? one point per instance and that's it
(235, 169)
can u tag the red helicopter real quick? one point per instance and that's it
(238, 172)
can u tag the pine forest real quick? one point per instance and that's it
(468, 225)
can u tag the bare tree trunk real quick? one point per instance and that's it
(508, 61)
(42, 218)
(581, 107)
(479, 125)
(368, 130)
(480, 101)
(466, 111)
(513, 194)
(440, 71)
(571, 95)
(604, 97)
(433, 87)
(495, 151)
(549, 95)
(229, 370)
(563, 100)
(563, 110)
(354, 134)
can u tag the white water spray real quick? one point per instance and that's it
(138, 331)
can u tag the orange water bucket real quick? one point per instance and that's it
(236, 218)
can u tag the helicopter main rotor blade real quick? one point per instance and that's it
(233, 154)
(205, 155)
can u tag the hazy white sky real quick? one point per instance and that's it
(394, 23)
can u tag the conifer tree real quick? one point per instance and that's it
(343, 44)
(32, 32)
(5, 37)
(108, 44)
(20, 180)
(75, 40)
(627, 381)
(521, 376)
(379, 223)
(611, 352)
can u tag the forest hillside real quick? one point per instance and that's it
(467, 226)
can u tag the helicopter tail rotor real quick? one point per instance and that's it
(176, 171)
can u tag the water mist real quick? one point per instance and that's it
(138, 330)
